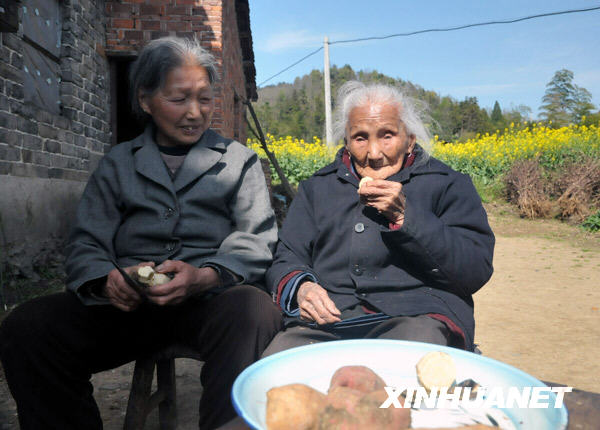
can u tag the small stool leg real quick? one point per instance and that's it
(167, 408)
(139, 397)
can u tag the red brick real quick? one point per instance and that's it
(147, 9)
(200, 27)
(134, 35)
(100, 50)
(179, 26)
(158, 34)
(122, 23)
(121, 8)
(150, 25)
(177, 10)
(199, 11)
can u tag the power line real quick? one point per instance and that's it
(431, 30)
(292, 65)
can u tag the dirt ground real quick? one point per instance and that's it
(540, 312)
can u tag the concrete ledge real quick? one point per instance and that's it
(35, 217)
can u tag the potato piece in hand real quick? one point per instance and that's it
(436, 370)
(363, 181)
(146, 275)
(293, 407)
(358, 378)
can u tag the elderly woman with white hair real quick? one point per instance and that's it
(386, 242)
(179, 197)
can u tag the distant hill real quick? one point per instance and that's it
(297, 109)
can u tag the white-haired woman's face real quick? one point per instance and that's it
(182, 108)
(377, 140)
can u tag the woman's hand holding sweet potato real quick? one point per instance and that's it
(120, 294)
(187, 281)
(385, 196)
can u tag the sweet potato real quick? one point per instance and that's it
(372, 416)
(358, 378)
(344, 398)
(293, 407)
(337, 419)
(146, 275)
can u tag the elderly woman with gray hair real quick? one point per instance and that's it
(386, 242)
(180, 198)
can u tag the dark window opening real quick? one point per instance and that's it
(124, 125)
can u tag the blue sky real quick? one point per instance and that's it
(511, 63)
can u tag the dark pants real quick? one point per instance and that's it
(52, 345)
(419, 328)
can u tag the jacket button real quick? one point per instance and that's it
(169, 213)
(359, 227)
(435, 270)
(170, 246)
(357, 271)
(363, 294)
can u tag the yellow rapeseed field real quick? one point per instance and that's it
(298, 159)
(492, 154)
(485, 157)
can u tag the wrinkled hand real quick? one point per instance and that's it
(315, 304)
(118, 291)
(187, 281)
(385, 196)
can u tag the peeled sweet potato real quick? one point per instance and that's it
(146, 275)
(436, 370)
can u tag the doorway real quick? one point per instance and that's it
(124, 125)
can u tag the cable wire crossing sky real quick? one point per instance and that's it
(506, 51)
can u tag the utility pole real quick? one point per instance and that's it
(327, 79)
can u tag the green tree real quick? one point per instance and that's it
(496, 116)
(473, 119)
(565, 102)
(517, 114)
(582, 103)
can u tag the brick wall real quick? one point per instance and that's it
(65, 144)
(47, 151)
(132, 23)
(233, 76)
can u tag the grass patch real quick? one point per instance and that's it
(488, 191)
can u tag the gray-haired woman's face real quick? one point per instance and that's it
(182, 108)
(377, 140)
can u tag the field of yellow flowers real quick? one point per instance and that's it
(298, 159)
(485, 157)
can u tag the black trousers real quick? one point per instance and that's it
(51, 346)
(419, 328)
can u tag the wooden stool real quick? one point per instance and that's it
(142, 401)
